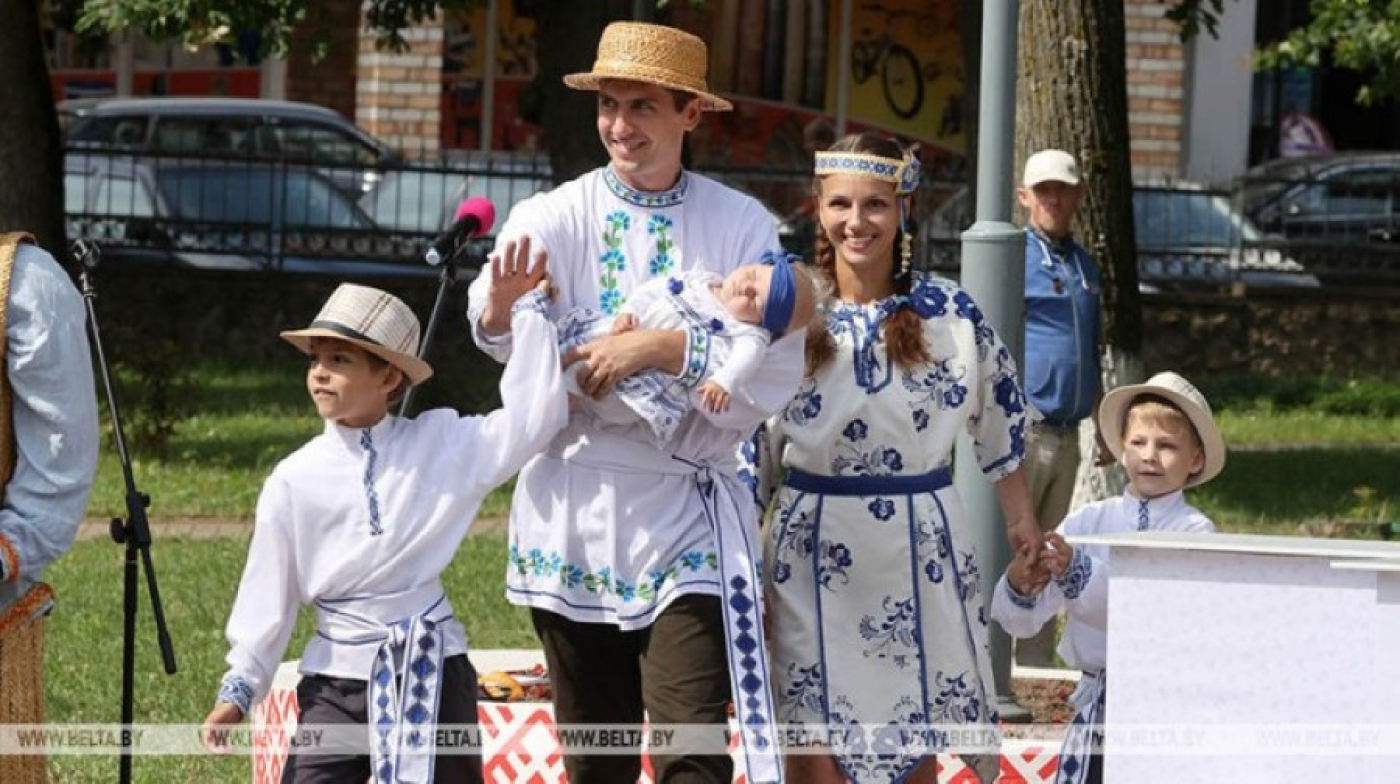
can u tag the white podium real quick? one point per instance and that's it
(1246, 658)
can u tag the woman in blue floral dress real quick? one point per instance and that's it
(879, 632)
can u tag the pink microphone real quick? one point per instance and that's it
(474, 217)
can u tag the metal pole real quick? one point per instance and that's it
(488, 78)
(993, 272)
(843, 70)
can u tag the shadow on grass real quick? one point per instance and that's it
(1290, 486)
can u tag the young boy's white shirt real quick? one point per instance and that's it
(313, 540)
(1083, 589)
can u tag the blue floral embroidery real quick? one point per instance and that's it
(536, 563)
(863, 326)
(794, 541)
(929, 297)
(920, 420)
(612, 261)
(1018, 599)
(610, 301)
(834, 561)
(895, 636)
(934, 570)
(1077, 576)
(882, 508)
(806, 406)
(957, 700)
(659, 226)
(968, 577)
(880, 461)
(940, 384)
(803, 691)
(856, 430)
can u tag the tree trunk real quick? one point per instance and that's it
(567, 40)
(1073, 95)
(31, 150)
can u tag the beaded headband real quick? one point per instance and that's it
(904, 173)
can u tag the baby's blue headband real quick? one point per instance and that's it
(782, 292)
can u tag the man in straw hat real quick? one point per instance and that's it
(1165, 437)
(638, 561)
(48, 455)
(361, 521)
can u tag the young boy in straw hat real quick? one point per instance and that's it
(638, 563)
(1165, 437)
(361, 521)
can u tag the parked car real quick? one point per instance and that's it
(224, 216)
(425, 199)
(1349, 197)
(285, 131)
(1187, 238)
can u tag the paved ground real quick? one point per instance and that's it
(208, 527)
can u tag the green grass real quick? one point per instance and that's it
(1265, 428)
(242, 423)
(198, 580)
(1279, 491)
(245, 420)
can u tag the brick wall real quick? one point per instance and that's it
(399, 94)
(331, 81)
(1156, 74)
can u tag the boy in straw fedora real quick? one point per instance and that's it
(360, 523)
(1165, 437)
(638, 560)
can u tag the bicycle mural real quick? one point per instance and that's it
(906, 68)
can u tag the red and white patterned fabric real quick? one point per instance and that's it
(521, 746)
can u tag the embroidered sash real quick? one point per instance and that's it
(1083, 736)
(405, 681)
(723, 495)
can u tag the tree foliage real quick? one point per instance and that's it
(1363, 35)
(204, 22)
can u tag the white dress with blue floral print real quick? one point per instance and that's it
(877, 616)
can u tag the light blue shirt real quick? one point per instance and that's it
(55, 420)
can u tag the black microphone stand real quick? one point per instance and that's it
(134, 532)
(446, 279)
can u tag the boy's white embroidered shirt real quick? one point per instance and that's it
(1082, 645)
(313, 540)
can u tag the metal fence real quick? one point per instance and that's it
(239, 213)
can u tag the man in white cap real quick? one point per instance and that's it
(638, 561)
(1061, 373)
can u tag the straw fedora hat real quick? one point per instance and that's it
(1112, 416)
(655, 54)
(374, 320)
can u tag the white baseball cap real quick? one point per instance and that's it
(1050, 166)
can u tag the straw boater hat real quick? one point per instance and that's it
(655, 54)
(376, 321)
(1112, 416)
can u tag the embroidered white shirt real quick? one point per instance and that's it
(313, 540)
(1083, 590)
(605, 526)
